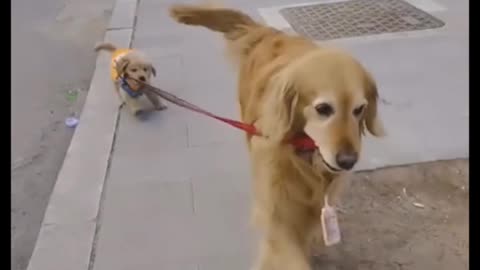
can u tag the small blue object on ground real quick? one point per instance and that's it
(71, 122)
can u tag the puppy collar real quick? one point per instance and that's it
(125, 87)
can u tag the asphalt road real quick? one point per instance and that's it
(52, 61)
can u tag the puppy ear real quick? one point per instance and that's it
(372, 119)
(154, 71)
(279, 108)
(122, 65)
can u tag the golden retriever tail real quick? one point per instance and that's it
(234, 24)
(106, 46)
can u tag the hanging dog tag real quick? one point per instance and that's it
(330, 228)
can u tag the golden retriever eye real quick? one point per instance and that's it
(358, 111)
(134, 70)
(145, 69)
(324, 109)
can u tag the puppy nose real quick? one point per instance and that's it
(346, 160)
(142, 78)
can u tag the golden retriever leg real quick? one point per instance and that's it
(282, 250)
(316, 243)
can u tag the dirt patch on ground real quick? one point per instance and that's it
(404, 218)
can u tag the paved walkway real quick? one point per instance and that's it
(178, 188)
(176, 195)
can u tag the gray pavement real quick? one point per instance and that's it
(176, 187)
(52, 54)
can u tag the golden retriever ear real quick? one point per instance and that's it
(372, 119)
(279, 108)
(122, 65)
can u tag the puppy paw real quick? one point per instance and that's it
(138, 112)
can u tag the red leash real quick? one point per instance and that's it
(300, 143)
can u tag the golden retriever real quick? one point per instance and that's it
(134, 68)
(289, 86)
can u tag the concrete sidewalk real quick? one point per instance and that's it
(176, 185)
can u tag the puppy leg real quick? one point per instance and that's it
(133, 104)
(282, 250)
(117, 92)
(157, 103)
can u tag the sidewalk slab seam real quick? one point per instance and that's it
(124, 15)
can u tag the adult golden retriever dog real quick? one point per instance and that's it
(288, 86)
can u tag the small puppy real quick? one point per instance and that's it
(128, 67)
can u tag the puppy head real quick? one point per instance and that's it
(328, 95)
(135, 65)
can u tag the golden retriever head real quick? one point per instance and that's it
(135, 65)
(328, 95)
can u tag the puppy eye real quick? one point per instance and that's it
(324, 109)
(134, 70)
(359, 110)
(145, 69)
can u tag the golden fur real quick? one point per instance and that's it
(288, 85)
(134, 66)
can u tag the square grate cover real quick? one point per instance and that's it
(357, 18)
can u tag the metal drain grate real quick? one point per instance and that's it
(357, 18)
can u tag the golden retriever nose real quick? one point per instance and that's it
(346, 160)
(142, 78)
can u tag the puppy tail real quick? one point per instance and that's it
(105, 46)
(232, 23)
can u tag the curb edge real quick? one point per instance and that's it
(69, 229)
